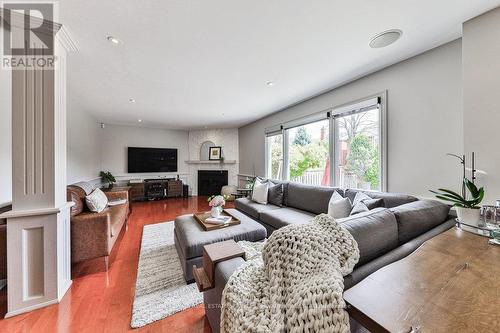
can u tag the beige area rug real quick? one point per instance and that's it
(160, 289)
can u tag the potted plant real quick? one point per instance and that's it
(216, 202)
(468, 209)
(107, 177)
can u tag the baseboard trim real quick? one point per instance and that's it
(30, 308)
(65, 289)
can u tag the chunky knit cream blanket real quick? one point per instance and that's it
(296, 285)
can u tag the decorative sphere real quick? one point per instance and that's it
(228, 191)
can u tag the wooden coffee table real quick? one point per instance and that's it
(450, 284)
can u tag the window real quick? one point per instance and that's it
(274, 152)
(357, 150)
(309, 153)
(344, 147)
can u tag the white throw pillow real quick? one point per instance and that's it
(96, 201)
(259, 193)
(339, 207)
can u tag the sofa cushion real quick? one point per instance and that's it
(417, 217)
(376, 233)
(285, 216)
(310, 198)
(251, 208)
(390, 199)
(275, 194)
(118, 215)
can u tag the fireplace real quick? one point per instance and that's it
(210, 182)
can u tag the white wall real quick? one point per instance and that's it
(228, 140)
(116, 139)
(424, 120)
(83, 146)
(5, 136)
(481, 72)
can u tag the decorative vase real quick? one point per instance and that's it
(216, 211)
(470, 216)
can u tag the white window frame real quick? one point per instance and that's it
(353, 107)
(330, 113)
(268, 164)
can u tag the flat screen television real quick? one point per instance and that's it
(152, 160)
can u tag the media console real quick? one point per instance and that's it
(151, 189)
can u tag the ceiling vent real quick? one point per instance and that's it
(385, 38)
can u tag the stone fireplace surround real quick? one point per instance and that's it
(228, 140)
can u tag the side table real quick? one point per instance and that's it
(213, 254)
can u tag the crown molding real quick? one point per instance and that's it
(66, 39)
(62, 33)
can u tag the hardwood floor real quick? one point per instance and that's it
(100, 301)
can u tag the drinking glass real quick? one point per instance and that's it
(489, 213)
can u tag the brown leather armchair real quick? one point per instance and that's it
(93, 235)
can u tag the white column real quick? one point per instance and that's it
(38, 227)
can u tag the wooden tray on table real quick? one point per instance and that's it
(202, 216)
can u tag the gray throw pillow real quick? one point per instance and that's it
(360, 197)
(360, 207)
(374, 203)
(275, 194)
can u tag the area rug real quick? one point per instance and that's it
(160, 289)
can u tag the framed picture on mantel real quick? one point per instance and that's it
(215, 153)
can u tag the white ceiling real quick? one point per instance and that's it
(195, 63)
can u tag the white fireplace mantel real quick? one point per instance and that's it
(211, 162)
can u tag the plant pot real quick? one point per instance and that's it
(216, 211)
(470, 216)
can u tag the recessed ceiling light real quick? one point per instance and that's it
(385, 38)
(270, 83)
(114, 40)
(131, 100)
(139, 120)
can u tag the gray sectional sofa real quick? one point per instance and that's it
(384, 235)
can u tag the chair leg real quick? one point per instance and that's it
(126, 224)
(106, 262)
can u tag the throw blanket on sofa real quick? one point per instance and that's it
(297, 283)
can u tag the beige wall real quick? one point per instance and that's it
(424, 120)
(481, 72)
